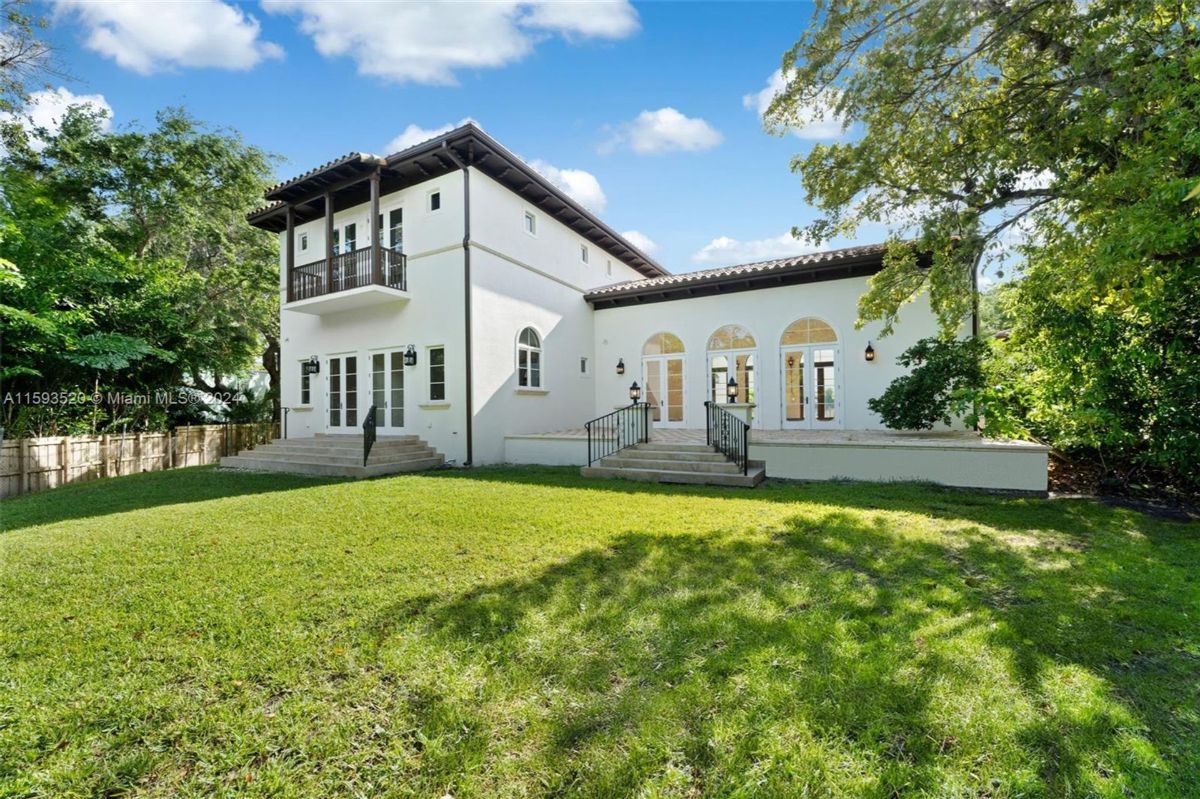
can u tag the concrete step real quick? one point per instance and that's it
(674, 446)
(267, 454)
(331, 470)
(756, 475)
(344, 441)
(301, 449)
(670, 454)
(721, 466)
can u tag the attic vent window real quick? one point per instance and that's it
(530, 223)
(435, 200)
(583, 253)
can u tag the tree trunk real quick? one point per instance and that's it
(270, 361)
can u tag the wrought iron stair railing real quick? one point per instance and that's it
(615, 431)
(729, 434)
(368, 433)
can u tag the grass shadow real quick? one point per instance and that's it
(832, 656)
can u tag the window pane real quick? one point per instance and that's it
(435, 201)
(351, 237)
(437, 373)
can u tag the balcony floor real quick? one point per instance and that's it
(348, 300)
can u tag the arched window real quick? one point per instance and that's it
(529, 359)
(731, 356)
(731, 337)
(808, 331)
(662, 344)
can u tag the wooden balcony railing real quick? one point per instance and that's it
(349, 270)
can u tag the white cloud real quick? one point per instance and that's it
(662, 131)
(152, 37)
(724, 251)
(47, 107)
(580, 186)
(809, 122)
(641, 241)
(427, 42)
(415, 134)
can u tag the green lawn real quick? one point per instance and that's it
(527, 632)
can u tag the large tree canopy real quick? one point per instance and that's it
(970, 120)
(128, 264)
(1058, 139)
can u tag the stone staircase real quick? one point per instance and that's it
(672, 462)
(337, 456)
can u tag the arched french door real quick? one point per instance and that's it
(662, 377)
(810, 363)
(732, 353)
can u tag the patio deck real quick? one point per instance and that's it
(952, 457)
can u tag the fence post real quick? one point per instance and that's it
(137, 452)
(104, 443)
(65, 459)
(23, 465)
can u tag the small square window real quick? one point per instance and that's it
(530, 223)
(583, 253)
(303, 241)
(435, 200)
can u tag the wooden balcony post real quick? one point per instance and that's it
(328, 243)
(376, 249)
(290, 249)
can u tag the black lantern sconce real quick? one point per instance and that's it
(869, 352)
(311, 367)
(410, 356)
(620, 366)
(731, 389)
(635, 392)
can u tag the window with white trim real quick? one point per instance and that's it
(583, 253)
(530, 223)
(303, 241)
(529, 359)
(437, 374)
(305, 385)
(435, 200)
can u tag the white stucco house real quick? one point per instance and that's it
(486, 318)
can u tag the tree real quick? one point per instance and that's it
(24, 57)
(1056, 138)
(130, 265)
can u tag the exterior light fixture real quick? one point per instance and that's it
(635, 392)
(620, 366)
(311, 367)
(410, 356)
(869, 352)
(731, 389)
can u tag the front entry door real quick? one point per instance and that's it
(342, 393)
(387, 390)
(811, 395)
(663, 378)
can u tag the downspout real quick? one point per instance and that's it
(466, 242)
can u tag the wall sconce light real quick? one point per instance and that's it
(731, 389)
(869, 352)
(620, 366)
(635, 392)
(410, 356)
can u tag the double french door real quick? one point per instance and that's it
(811, 394)
(663, 379)
(384, 389)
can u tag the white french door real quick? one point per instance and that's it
(387, 390)
(812, 397)
(663, 379)
(341, 393)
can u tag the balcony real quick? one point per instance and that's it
(348, 281)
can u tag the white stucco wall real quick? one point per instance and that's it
(433, 317)
(620, 333)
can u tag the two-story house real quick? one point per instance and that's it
(475, 311)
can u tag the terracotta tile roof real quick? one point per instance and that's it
(812, 261)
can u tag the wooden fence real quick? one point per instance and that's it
(36, 464)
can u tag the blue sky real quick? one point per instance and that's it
(649, 102)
